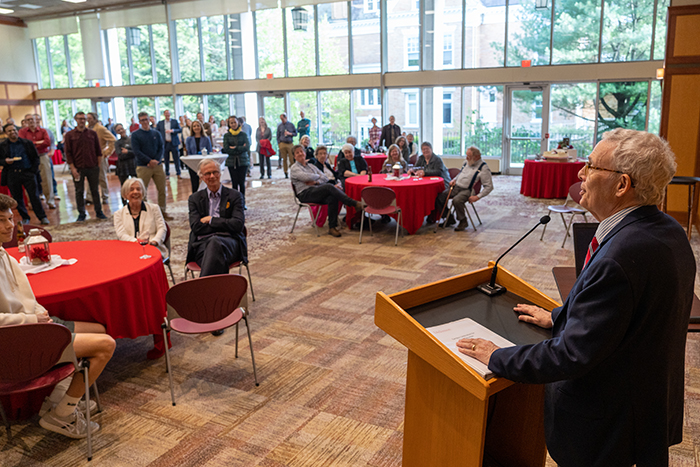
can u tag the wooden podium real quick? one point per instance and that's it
(454, 417)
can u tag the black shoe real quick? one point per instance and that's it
(101, 215)
(262, 176)
(385, 219)
(81, 218)
(217, 333)
(286, 175)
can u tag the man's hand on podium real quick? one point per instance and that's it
(480, 349)
(534, 315)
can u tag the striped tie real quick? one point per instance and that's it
(591, 249)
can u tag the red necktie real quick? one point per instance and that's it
(591, 249)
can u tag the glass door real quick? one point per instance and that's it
(526, 125)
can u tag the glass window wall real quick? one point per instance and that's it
(572, 115)
(214, 48)
(576, 31)
(43, 59)
(528, 33)
(403, 36)
(301, 45)
(77, 63)
(270, 39)
(366, 37)
(335, 119)
(333, 38)
(483, 119)
(140, 42)
(627, 30)
(58, 61)
(442, 44)
(622, 105)
(305, 102)
(485, 31)
(188, 50)
(161, 49)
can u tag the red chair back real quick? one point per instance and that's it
(378, 197)
(207, 299)
(30, 350)
(575, 192)
(453, 172)
(412, 160)
(477, 187)
(27, 227)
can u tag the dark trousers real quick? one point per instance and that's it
(330, 195)
(93, 177)
(459, 197)
(169, 149)
(194, 179)
(238, 178)
(264, 160)
(215, 254)
(25, 178)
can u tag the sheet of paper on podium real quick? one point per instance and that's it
(450, 333)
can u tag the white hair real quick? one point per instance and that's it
(646, 158)
(126, 186)
(204, 162)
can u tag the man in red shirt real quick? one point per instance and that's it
(134, 125)
(42, 142)
(83, 153)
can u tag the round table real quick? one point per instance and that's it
(193, 163)
(543, 179)
(109, 285)
(415, 196)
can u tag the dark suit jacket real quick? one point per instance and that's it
(5, 154)
(230, 223)
(344, 164)
(614, 367)
(175, 126)
(389, 135)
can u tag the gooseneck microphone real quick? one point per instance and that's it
(491, 289)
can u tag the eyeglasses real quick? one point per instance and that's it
(214, 173)
(588, 167)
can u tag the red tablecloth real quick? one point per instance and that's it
(57, 157)
(109, 285)
(376, 161)
(415, 197)
(543, 179)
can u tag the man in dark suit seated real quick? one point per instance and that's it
(614, 367)
(217, 221)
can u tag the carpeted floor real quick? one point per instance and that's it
(331, 384)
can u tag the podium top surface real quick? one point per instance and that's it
(495, 313)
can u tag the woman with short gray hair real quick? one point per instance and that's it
(139, 219)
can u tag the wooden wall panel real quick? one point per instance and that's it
(680, 109)
(20, 92)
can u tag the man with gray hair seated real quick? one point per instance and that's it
(352, 141)
(614, 367)
(312, 186)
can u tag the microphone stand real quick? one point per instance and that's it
(491, 288)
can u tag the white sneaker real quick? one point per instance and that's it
(72, 426)
(48, 405)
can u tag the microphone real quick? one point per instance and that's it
(492, 289)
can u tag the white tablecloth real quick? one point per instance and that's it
(193, 163)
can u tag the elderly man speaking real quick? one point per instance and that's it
(614, 367)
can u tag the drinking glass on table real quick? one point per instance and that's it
(143, 239)
(410, 169)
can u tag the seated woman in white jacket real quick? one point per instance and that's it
(139, 216)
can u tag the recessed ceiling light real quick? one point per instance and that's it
(6, 11)
(75, 1)
(29, 6)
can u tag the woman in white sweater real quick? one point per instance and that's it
(139, 216)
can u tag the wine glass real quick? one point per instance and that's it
(143, 239)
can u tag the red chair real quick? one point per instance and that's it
(412, 160)
(305, 205)
(193, 267)
(29, 355)
(204, 305)
(27, 227)
(453, 173)
(575, 197)
(380, 200)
